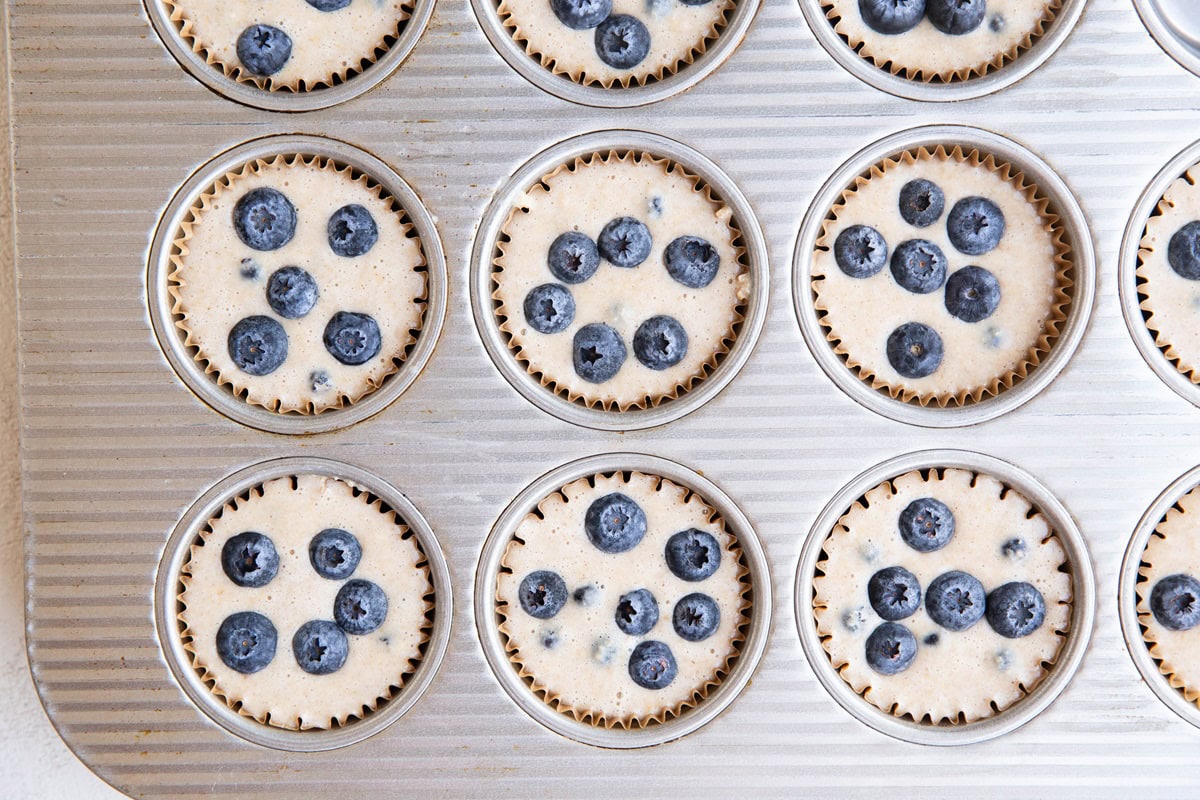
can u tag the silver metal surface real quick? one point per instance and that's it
(1175, 25)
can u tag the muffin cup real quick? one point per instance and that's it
(1174, 31)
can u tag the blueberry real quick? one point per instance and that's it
(542, 594)
(1015, 609)
(1003, 660)
(602, 651)
(926, 525)
(573, 257)
(860, 251)
(956, 17)
(1175, 602)
(972, 294)
(894, 593)
(854, 619)
(1014, 549)
(932, 639)
(891, 648)
(318, 380)
(360, 607)
(258, 345)
(550, 639)
(914, 350)
(263, 49)
(637, 612)
(955, 600)
(695, 2)
(614, 523)
(975, 225)
(652, 666)
(625, 242)
(328, 5)
(587, 595)
(921, 202)
(696, 617)
(264, 219)
(919, 266)
(352, 338)
(249, 269)
(660, 342)
(291, 292)
(334, 553)
(693, 555)
(320, 647)
(891, 16)
(246, 642)
(597, 352)
(1183, 251)
(249, 559)
(997, 23)
(692, 261)
(655, 206)
(549, 308)
(580, 15)
(622, 41)
(352, 231)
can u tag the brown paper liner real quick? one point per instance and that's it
(598, 718)
(179, 312)
(184, 29)
(1059, 306)
(504, 314)
(863, 49)
(825, 634)
(279, 720)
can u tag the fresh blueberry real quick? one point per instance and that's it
(334, 553)
(352, 231)
(932, 639)
(549, 308)
(1183, 251)
(660, 342)
(692, 261)
(695, 2)
(614, 523)
(926, 524)
(263, 49)
(581, 15)
(1175, 602)
(352, 338)
(894, 593)
(597, 352)
(622, 41)
(258, 345)
(1014, 548)
(318, 380)
(249, 269)
(1015, 609)
(693, 555)
(975, 225)
(320, 647)
(249, 559)
(956, 17)
(264, 219)
(955, 600)
(360, 607)
(921, 202)
(891, 16)
(860, 251)
(696, 617)
(919, 266)
(291, 292)
(972, 294)
(542, 594)
(328, 5)
(915, 350)
(637, 612)
(625, 242)
(891, 648)
(246, 642)
(652, 665)
(573, 257)
(587, 595)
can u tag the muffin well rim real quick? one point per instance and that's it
(1160, 26)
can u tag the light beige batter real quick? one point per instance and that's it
(586, 674)
(325, 44)
(584, 197)
(211, 295)
(967, 675)
(290, 512)
(980, 357)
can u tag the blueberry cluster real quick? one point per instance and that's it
(954, 17)
(1175, 602)
(615, 523)
(954, 600)
(622, 40)
(246, 640)
(265, 220)
(974, 226)
(264, 49)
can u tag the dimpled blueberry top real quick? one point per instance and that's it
(960, 672)
(297, 594)
(579, 655)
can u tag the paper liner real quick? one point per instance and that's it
(1059, 306)
(352, 714)
(597, 718)
(184, 29)
(823, 631)
(504, 313)
(863, 49)
(179, 251)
